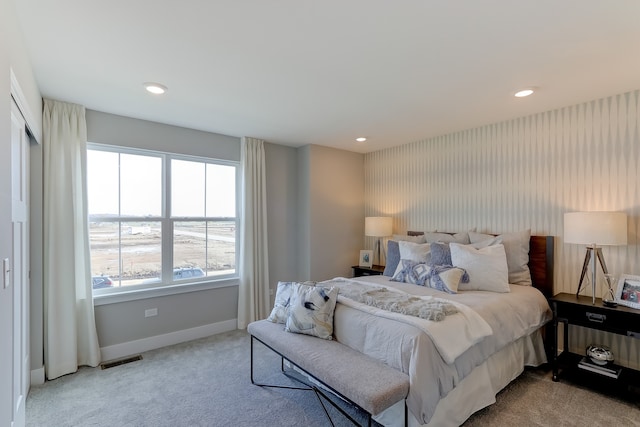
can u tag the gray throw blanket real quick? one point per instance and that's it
(434, 309)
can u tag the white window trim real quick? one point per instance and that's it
(161, 291)
(137, 292)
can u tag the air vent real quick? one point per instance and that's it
(118, 362)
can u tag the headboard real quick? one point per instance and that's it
(540, 262)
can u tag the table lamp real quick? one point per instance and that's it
(593, 229)
(378, 226)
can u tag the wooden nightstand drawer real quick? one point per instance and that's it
(617, 320)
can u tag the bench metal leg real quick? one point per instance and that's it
(309, 387)
(281, 367)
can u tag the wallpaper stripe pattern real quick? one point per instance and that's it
(523, 173)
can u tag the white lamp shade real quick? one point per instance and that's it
(600, 228)
(378, 226)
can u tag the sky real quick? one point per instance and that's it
(131, 185)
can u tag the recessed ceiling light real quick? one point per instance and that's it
(524, 92)
(155, 88)
(361, 139)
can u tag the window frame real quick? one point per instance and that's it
(167, 285)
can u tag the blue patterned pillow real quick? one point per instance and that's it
(446, 278)
(412, 272)
(393, 258)
(311, 311)
(440, 254)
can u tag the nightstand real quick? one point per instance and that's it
(375, 270)
(580, 311)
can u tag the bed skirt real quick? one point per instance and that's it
(478, 389)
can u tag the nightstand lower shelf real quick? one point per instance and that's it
(626, 386)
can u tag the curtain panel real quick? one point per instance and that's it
(254, 302)
(70, 333)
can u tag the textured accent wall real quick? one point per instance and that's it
(522, 173)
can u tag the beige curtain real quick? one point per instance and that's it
(253, 299)
(70, 338)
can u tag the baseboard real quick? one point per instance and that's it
(117, 351)
(37, 376)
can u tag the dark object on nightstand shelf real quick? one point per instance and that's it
(580, 311)
(375, 270)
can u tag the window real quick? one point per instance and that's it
(158, 219)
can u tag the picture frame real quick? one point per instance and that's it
(628, 291)
(366, 258)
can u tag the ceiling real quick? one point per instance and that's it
(324, 72)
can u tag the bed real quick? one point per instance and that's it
(448, 380)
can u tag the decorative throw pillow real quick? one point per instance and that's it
(281, 304)
(487, 267)
(311, 311)
(393, 258)
(418, 252)
(280, 310)
(440, 254)
(446, 278)
(447, 238)
(413, 272)
(516, 246)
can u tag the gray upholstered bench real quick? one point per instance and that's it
(355, 377)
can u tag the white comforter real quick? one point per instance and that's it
(405, 346)
(470, 327)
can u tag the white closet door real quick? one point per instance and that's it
(19, 264)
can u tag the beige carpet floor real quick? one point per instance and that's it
(206, 383)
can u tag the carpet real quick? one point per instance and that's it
(206, 383)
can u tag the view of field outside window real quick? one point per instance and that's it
(125, 200)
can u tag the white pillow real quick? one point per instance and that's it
(487, 267)
(281, 305)
(433, 237)
(407, 238)
(311, 311)
(280, 310)
(516, 246)
(418, 252)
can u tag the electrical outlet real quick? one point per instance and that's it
(271, 291)
(150, 312)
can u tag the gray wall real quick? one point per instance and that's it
(36, 235)
(127, 132)
(282, 216)
(332, 211)
(304, 212)
(124, 322)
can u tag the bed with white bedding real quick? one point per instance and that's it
(513, 317)
(456, 368)
(478, 330)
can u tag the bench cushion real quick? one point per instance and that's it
(367, 382)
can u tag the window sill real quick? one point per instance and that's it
(138, 294)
